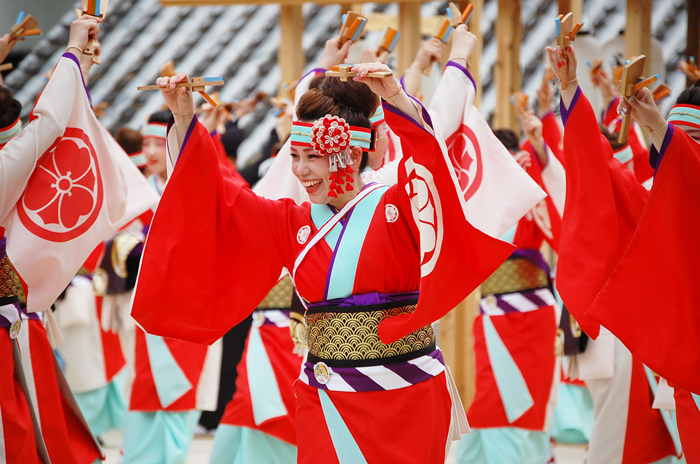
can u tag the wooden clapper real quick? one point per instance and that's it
(630, 82)
(443, 30)
(566, 33)
(197, 84)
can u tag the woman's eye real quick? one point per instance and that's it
(294, 156)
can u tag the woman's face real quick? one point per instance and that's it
(376, 157)
(154, 150)
(313, 171)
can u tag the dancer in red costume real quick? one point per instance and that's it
(604, 202)
(390, 406)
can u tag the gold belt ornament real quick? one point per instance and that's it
(515, 275)
(353, 336)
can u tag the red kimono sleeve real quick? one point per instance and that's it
(603, 204)
(214, 248)
(650, 301)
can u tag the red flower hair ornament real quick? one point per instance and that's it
(330, 136)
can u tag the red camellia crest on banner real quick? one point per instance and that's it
(64, 195)
(465, 154)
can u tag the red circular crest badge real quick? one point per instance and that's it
(64, 195)
(465, 154)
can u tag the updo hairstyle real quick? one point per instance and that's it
(690, 96)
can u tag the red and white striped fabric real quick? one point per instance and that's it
(65, 185)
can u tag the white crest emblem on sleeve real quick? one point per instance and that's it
(303, 234)
(391, 212)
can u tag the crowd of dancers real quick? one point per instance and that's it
(294, 301)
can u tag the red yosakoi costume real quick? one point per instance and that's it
(339, 401)
(604, 204)
(653, 259)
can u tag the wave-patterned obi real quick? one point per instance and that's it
(346, 354)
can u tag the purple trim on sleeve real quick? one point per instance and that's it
(315, 71)
(463, 69)
(387, 107)
(564, 112)
(171, 121)
(403, 84)
(72, 57)
(655, 157)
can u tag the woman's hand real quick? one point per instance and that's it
(334, 53)
(644, 111)
(532, 126)
(564, 59)
(429, 51)
(372, 55)
(545, 97)
(463, 45)
(386, 88)
(81, 30)
(179, 100)
(6, 46)
(602, 82)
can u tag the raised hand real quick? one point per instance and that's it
(386, 88)
(558, 59)
(372, 55)
(179, 100)
(545, 97)
(80, 32)
(334, 53)
(644, 112)
(6, 46)
(463, 45)
(429, 51)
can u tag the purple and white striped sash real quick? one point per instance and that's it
(375, 378)
(517, 302)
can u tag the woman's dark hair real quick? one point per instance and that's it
(508, 138)
(612, 137)
(690, 96)
(129, 139)
(161, 117)
(352, 101)
(10, 108)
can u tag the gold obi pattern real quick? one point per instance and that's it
(280, 296)
(515, 275)
(353, 336)
(8, 281)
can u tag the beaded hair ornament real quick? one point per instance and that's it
(331, 136)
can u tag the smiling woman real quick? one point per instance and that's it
(374, 265)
